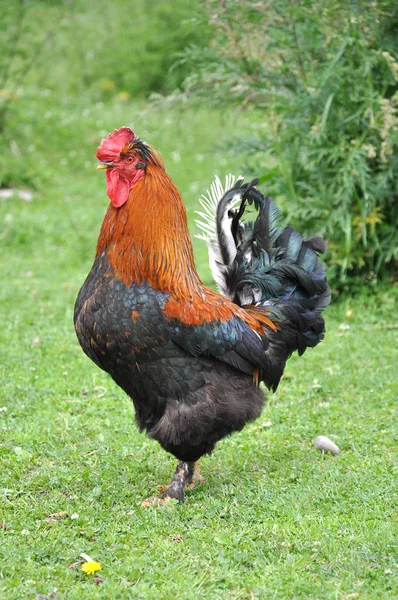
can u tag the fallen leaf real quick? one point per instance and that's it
(98, 579)
(76, 564)
(58, 515)
(97, 388)
(55, 516)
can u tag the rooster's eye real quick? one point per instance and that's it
(130, 159)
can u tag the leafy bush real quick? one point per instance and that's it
(324, 77)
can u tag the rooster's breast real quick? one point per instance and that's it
(122, 329)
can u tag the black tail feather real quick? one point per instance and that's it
(274, 268)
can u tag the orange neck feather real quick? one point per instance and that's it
(147, 239)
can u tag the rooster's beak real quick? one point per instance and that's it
(105, 165)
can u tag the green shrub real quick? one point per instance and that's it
(324, 77)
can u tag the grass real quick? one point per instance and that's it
(272, 519)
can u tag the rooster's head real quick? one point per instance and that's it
(125, 158)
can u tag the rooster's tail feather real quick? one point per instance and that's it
(265, 267)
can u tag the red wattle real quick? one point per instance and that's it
(117, 187)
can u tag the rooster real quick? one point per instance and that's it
(192, 359)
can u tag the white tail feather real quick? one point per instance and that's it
(208, 224)
(209, 202)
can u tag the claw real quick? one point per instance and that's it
(186, 474)
(155, 501)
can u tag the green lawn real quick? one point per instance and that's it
(273, 519)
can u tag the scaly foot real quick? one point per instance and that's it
(196, 476)
(186, 474)
(182, 475)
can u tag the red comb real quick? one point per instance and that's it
(111, 146)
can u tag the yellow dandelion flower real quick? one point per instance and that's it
(91, 566)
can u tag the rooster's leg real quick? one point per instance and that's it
(196, 476)
(182, 475)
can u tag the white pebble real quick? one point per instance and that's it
(323, 444)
